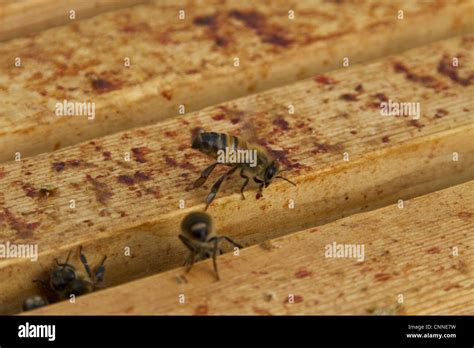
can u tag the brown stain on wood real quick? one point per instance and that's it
(446, 68)
(23, 229)
(102, 192)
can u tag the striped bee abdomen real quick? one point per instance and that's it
(211, 142)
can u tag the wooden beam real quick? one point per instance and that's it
(191, 62)
(18, 18)
(135, 204)
(415, 260)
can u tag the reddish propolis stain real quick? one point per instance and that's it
(425, 80)
(261, 311)
(30, 190)
(107, 155)
(167, 94)
(201, 310)
(452, 286)
(281, 122)
(218, 117)
(271, 34)
(22, 228)
(441, 112)
(2, 173)
(171, 134)
(139, 153)
(132, 180)
(302, 273)
(359, 88)
(102, 191)
(434, 250)
(348, 97)
(277, 40)
(381, 277)
(171, 161)
(321, 148)
(205, 20)
(155, 191)
(101, 85)
(385, 139)
(465, 215)
(324, 80)
(59, 166)
(416, 124)
(445, 67)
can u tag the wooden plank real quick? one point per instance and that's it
(18, 18)
(136, 204)
(404, 250)
(191, 62)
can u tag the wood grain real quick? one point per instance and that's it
(404, 251)
(191, 62)
(135, 204)
(18, 18)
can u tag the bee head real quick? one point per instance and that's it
(270, 173)
(198, 225)
(79, 287)
(62, 275)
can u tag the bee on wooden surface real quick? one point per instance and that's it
(253, 160)
(198, 236)
(64, 280)
(34, 302)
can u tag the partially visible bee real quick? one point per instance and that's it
(65, 280)
(263, 173)
(34, 302)
(198, 236)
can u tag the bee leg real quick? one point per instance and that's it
(84, 262)
(214, 254)
(242, 175)
(231, 241)
(204, 175)
(190, 261)
(100, 272)
(217, 185)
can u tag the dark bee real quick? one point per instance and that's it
(34, 302)
(65, 280)
(198, 236)
(263, 173)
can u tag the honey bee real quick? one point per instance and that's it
(198, 236)
(34, 302)
(264, 170)
(64, 280)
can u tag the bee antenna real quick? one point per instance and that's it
(67, 259)
(281, 177)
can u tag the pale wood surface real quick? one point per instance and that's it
(190, 62)
(18, 18)
(407, 252)
(402, 159)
